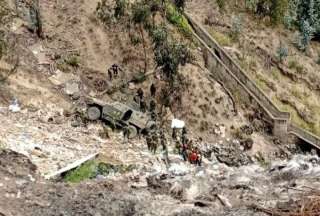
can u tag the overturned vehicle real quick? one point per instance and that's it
(119, 116)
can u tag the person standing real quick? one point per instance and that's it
(153, 90)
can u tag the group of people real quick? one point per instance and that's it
(156, 137)
(140, 100)
(185, 147)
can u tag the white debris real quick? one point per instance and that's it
(179, 169)
(14, 107)
(176, 123)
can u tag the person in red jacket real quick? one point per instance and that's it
(193, 157)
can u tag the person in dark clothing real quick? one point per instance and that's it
(153, 90)
(174, 133)
(152, 106)
(116, 69)
(184, 151)
(140, 93)
(110, 74)
(143, 106)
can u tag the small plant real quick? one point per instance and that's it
(73, 61)
(177, 19)
(236, 28)
(221, 4)
(159, 35)
(282, 52)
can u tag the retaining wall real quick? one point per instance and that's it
(227, 71)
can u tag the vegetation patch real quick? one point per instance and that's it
(92, 169)
(87, 171)
(177, 19)
(295, 116)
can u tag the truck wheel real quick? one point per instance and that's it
(94, 113)
(133, 132)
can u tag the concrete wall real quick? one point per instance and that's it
(245, 90)
(227, 71)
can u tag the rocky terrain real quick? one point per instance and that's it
(46, 77)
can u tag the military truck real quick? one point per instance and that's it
(118, 116)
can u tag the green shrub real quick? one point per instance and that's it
(73, 61)
(140, 12)
(236, 28)
(159, 35)
(86, 171)
(177, 19)
(282, 52)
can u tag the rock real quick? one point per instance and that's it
(177, 190)
(71, 88)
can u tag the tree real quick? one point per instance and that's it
(169, 56)
(140, 14)
(306, 34)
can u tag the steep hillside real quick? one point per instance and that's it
(292, 81)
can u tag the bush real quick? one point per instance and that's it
(221, 4)
(236, 28)
(140, 13)
(282, 52)
(177, 19)
(86, 171)
(73, 61)
(159, 35)
(305, 36)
